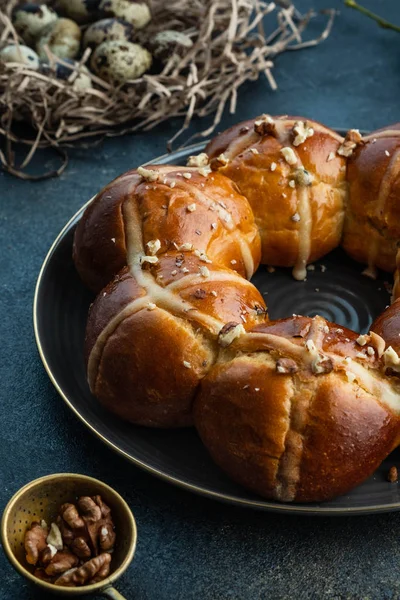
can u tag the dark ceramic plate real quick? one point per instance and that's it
(339, 293)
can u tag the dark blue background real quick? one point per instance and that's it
(190, 547)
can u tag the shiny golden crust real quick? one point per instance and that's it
(148, 346)
(372, 224)
(302, 434)
(387, 325)
(182, 206)
(297, 224)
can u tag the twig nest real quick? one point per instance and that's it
(20, 54)
(119, 62)
(81, 11)
(136, 13)
(64, 71)
(166, 43)
(107, 30)
(63, 39)
(30, 19)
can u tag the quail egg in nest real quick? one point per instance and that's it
(119, 62)
(30, 19)
(136, 13)
(63, 39)
(166, 43)
(81, 11)
(20, 54)
(107, 30)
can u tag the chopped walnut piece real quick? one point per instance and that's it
(89, 508)
(205, 171)
(254, 151)
(80, 547)
(265, 125)
(200, 294)
(35, 542)
(362, 340)
(204, 272)
(55, 538)
(289, 155)
(321, 365)
(187, 364)
(391, 361)
(352, 139)
(219, 161)
(377, 342)
(187, 175)
(191, 207)
(61, 562)
(301, 131)
(296, 217)
(199, 160)
(393, 475)
(273, 166)
(153, 246)
(82, 575)
(71, 516)
(229, 333)
(185, 247)
(286, 366)
(202, 256)
(148, 174)
(106, 537)
(47, 554)
(350, 376)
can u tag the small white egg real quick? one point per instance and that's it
(63, 39)
(107, 30)
(166, 43)
(119, 62)
(136, 13)
(20, 54)
(81, 11)
(30, 19)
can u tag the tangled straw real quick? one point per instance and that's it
(230, 47)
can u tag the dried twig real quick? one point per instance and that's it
(229, 48)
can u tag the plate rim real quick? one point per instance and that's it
(265, 505)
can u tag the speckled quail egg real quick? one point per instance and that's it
(81, 11)
(30, 19)
(136, 13)
(63, 39)
(166, 43)
(62, 71)
(20, 54)
(119, 62)
(107, 30)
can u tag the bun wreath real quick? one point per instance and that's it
(154, 331)
(296, 410)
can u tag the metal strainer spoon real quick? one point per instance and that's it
(41, 499)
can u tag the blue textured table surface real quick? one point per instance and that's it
(190, 547)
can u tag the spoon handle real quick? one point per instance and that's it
(112, 594)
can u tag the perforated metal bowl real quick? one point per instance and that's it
(41, 499)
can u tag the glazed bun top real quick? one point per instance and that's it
(292, 171)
